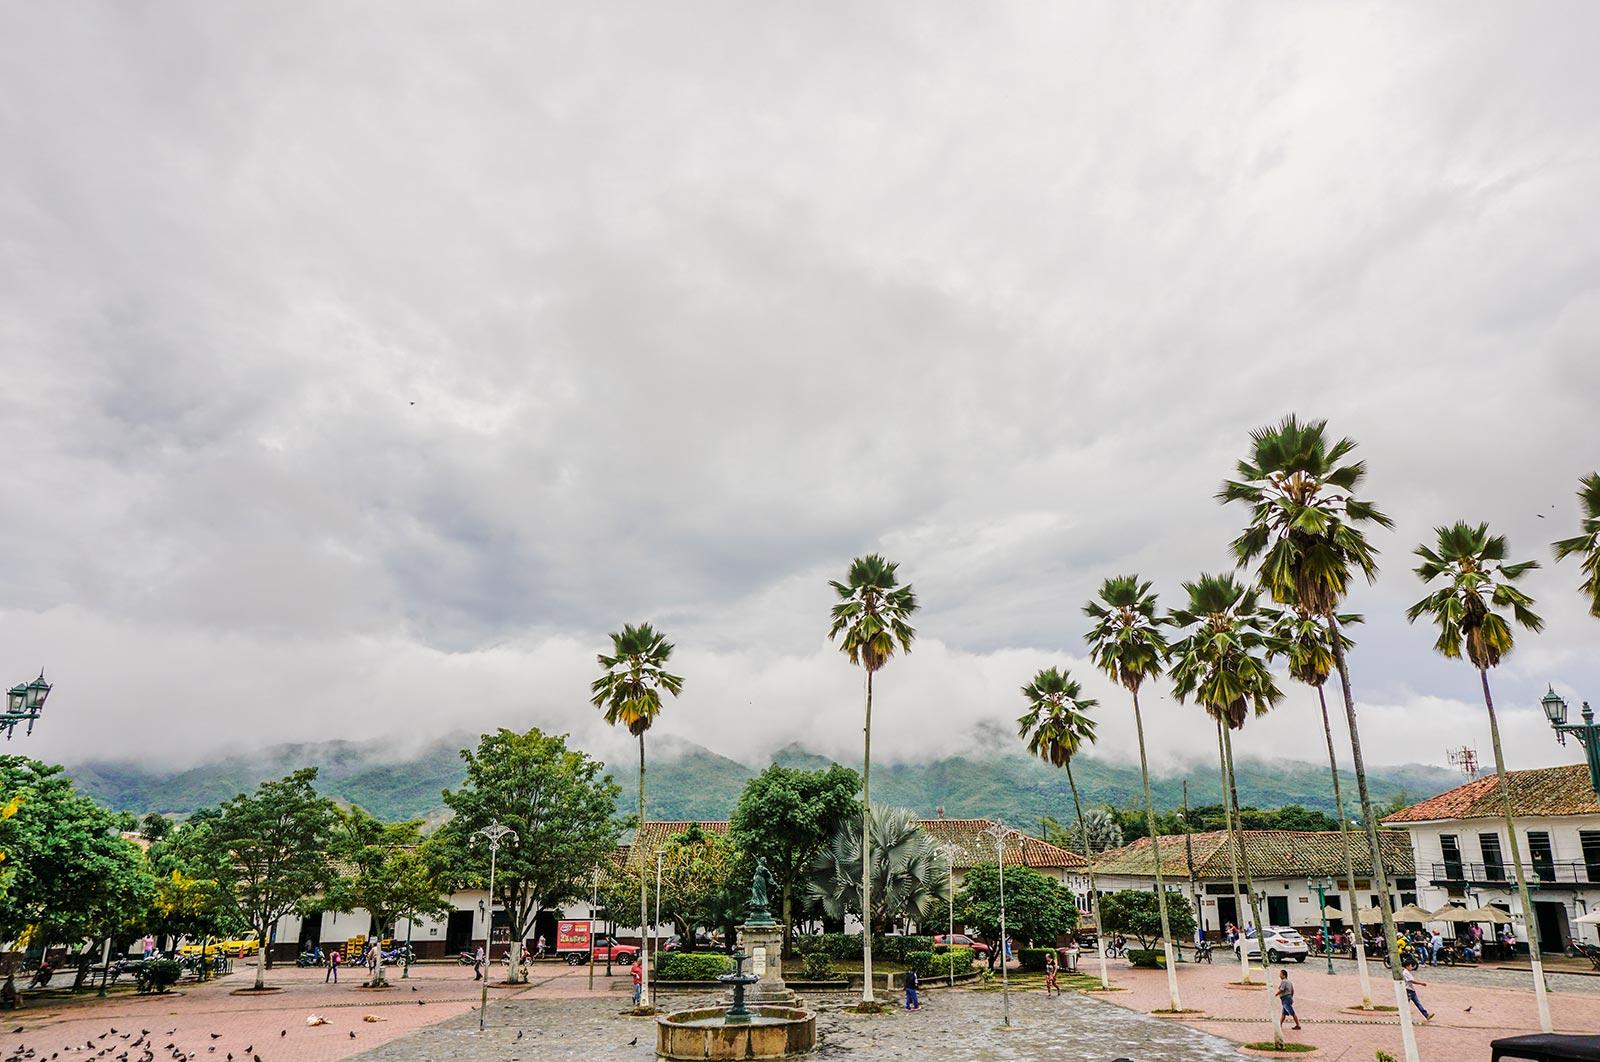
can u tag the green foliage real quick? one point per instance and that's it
(157, 975)
(1477, 580)
(838, 946)
(896, 946)
(1105, 830)
(1135, 912)
(940, 963)
(816, 966)
(1209, 817)
(692, 965)
(871, 618)
(193, 884)
(1057, 723)
(1221, 661)
(561, 807)
(908, 872)
(1148, 958)
(153, 827)
(785, 815)
(634, 676)
(1126, 639)
(1037, 909)
(1033, 958)
(698, 882)
(1586, 545)
(391, 874)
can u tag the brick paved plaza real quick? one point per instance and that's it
(433, 1017)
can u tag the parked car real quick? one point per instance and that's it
(1282, 943)
(604, 950)
(961, 940)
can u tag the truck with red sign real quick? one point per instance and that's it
(576, 941)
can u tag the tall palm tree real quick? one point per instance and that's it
(1587, 544)
(1303, 641)
(871, 621)
(633, 677)
(1308, 536)
(1127, 644)
(1475, 579)
(1220, 662)
(1057, 725)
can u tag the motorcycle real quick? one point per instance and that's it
(1202, 951)
(310, 958)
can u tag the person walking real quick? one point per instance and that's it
(637, 971)
(334, 958)
(1051, 969)
(149, 944)
(538, 947)
(1411, 984)
(912, 1002)
(477, 964)
(1286, 997)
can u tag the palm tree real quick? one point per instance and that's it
(1586, 545)
(1303, 641)
(907, 877)
(1057, 725)
(1475, 580)
(1308, 535)
(1127, 645)
(633, 677)
(1221, 663)
(871, 621)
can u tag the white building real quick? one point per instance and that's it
(1459, 843)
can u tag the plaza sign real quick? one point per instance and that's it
(573, 934)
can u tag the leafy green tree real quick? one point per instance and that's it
(1137, 912)
(154, 826)
(698, 873)
(786, 814)
(907, 878)
(1473, 579)
(1307, 535)
(562, 807)
(1586, 545)
(277, 841)
(1038, 910)
(1104, 829)
(871, 619)
(192, 896)
(1057, 725)
(387, 874)
(1127, 645)
(633, 677)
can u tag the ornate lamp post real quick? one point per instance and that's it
(24, 703)
(1001, 833)
(1588, 731)
(494, 833)
(1323, 885)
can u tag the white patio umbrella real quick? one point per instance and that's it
(1492, 915)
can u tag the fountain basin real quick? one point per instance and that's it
(770, 1032)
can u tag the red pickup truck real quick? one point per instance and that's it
(605, 950)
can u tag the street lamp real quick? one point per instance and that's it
(494, 833)
(949, 851)
(24, 703)
(655, 953)
(1323, 885)
(1588, 732)
(1001, 833)
(594, 904)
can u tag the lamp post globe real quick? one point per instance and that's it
(24, 704)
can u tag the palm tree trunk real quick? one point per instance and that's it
(1155, 851)
(1535, 958)
(1094, 894)
(1380, 877)
(1276, 1014)
(1349, 859)
(1233, 860)
(866, 849)
(644, 892)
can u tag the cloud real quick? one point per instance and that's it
(366, 365)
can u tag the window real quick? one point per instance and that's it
(1544, 859)
(1451, 847)
(1590, 839)
(1494, 864)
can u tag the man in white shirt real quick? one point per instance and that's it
(1411, 991)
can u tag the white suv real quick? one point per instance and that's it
(1282, 943)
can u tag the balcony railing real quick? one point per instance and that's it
(1568, 872)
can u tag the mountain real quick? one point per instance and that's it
(689, 781)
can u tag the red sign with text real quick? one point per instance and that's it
(573, 935)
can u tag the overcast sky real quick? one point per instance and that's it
(365, 363)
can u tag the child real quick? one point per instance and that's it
(1411, 990)
(912, 1003)
(638, 981)
(1286, 996)
(1050, 971)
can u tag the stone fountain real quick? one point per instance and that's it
(773, 1028)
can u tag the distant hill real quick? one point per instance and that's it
(689, 781)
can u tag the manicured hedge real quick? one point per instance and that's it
(157, 975)
(692, 965)
(895, 948)
(816, 967)
(1153, 958)
(939, 964)
(1033, 958)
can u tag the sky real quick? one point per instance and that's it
(366, 363)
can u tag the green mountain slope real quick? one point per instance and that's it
(688, 781)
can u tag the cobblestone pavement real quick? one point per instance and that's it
(957, 1025)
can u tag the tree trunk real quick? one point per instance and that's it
(644, 889)
(1349, 860)
(1094, 893)
(1233, 859)
(261, 959)
(1380, 876)
(866, 849)
(1275, 1012)
(1155, 850)
(1535, 958)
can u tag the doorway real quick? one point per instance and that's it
(1277, 910)
(1554, 931)
(458, 933)
(1227, 911)
(311, 932)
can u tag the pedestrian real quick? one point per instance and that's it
(538, 947)
(1436, 943)
(637, 971)
(374, 956)
(1412, 984)
(149, 944)
(1051, 968)
(1286, 996)
(334, 959)
(912, 1002)
(477, 964)
(993, 954)
(1232, 934)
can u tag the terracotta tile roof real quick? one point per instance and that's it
(965, 834)
(1271, 853)
(1560, 790)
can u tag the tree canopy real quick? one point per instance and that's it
(1135, 912)
(786, 814)
(1038, 910)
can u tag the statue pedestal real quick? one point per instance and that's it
(764, 944)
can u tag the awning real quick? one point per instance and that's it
(1492, 915)
(1453, 913)
(1412, 913)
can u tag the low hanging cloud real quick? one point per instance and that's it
(364, 366)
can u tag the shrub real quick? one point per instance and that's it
(833, 945)
(940, 964)
(692, 965)
(895, 947)
(157, 975)
(1033, 958)
(1150, 958)
(816, 967)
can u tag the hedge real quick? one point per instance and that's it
(896, 948)
(893, 947)
(692, 965)
(1033, 958)
(1152, 958)
(157, 975)
(940, 964)
(816, 967)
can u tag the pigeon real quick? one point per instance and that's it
(633, 1041)
(352, 1034)
(519, 1034)
(1469, 1010)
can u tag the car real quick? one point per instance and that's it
(960, 940)
(604, 951)
(1282, 943)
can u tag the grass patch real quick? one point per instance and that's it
(1286, 1048)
